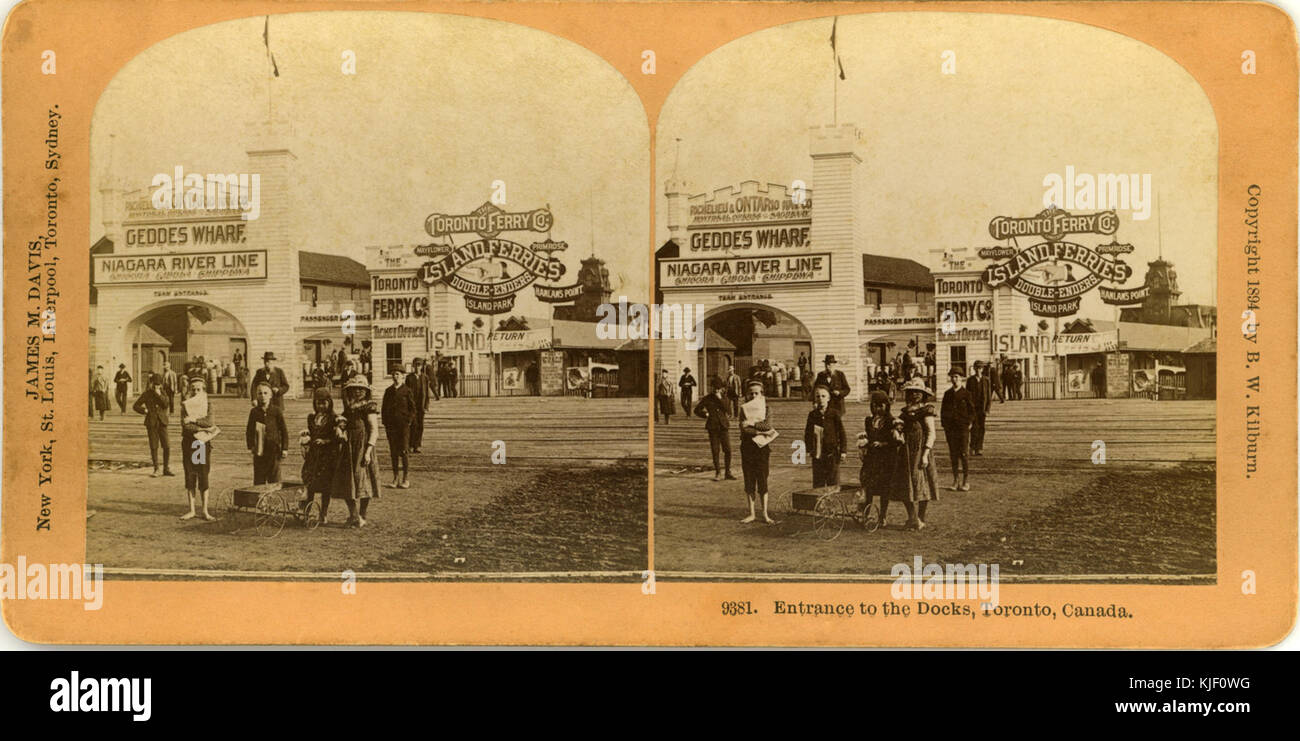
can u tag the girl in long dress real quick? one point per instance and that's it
(326, 467)
(918, 438)
(883, 447)
(361, 424)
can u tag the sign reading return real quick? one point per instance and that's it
(179, 268)
(742, 271)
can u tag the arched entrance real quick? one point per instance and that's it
(747, 336)
(187, 334)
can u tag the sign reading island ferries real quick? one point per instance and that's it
(1076, 269)
(507, 267)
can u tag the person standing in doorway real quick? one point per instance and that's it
(687, 385)
(713, 409)
(955, 414)
(397, 411)
(835, 382)
(153, 404)
(272, 376)
(121, 381)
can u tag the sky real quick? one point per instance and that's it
(439, 108)
(948, 152)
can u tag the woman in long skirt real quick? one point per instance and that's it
(326, 467)
(884, 473)
(361, 423)
(918, 438)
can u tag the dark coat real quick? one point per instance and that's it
(153, 406)
(833, 436)
(276, 434)
(714, 413)
(981, 394)
(416, 382)
(957, 409)
(839, 386)
(398, 407)
(279, 385)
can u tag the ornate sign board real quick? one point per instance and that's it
(508, 267)
(1078, 269)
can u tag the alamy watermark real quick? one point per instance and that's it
(932, 581)
(1105, 190)
(634, 321)
(73, 581)
(236, 191)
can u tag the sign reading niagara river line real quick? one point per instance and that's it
(179, 267)
(744, 271)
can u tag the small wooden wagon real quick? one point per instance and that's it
(265, 508)
(830, 507)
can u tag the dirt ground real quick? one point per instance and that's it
(579, 504)
(1039, 505)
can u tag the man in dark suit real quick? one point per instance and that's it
(396, 414)
(981, 396)
(154, 404)
(272, 376)
(995, 379)
(418, 384)
(835, 382)
(713, 409)
(121, 381)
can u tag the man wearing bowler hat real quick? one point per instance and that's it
(835, 381)
(272, 376)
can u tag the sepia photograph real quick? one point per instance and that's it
(347, 273)
(957, 274)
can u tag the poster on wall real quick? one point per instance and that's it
(551, 376)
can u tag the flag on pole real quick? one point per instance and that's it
(835, 49)
(266, 40)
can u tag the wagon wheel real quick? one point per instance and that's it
(223, 504)
(828, 517)
(269, 519)
(871, 518)
(311, 515)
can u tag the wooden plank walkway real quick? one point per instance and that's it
(458, 433)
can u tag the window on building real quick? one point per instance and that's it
(392, 356)
(957, 358)
(308, 295)
(874, 297)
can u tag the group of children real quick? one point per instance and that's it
(338, 448)
(897, 452)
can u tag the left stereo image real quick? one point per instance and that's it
(348, 278)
